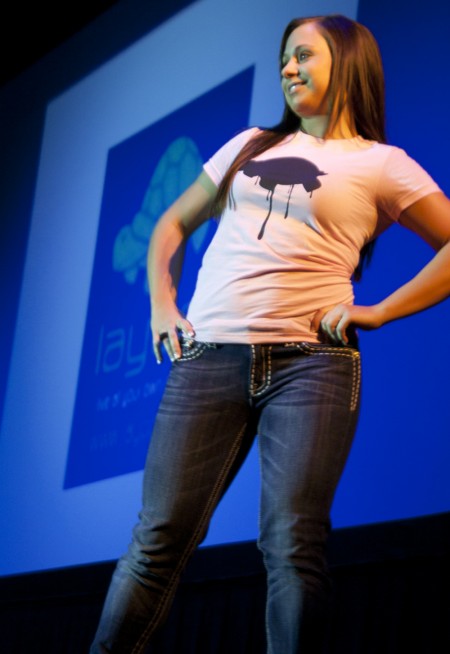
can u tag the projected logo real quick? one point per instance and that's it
(120, 384)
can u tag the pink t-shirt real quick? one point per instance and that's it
(290, 241)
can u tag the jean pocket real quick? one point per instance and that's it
(192, 349)
(334, 350)
(342, 355)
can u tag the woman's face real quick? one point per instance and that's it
(306, 71)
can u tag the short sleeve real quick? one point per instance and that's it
(218, 164)
(402, 182)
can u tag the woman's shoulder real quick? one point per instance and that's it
(231, 147)
(402, 173)
(390, 149)
(396, 156)
(388, 156)
(238, 139)
(244, 135)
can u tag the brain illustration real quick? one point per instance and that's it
(178, 167)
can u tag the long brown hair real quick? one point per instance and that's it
(356, 84)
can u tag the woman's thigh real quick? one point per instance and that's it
(305, 433)
(201, 434)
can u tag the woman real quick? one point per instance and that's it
(269, 344)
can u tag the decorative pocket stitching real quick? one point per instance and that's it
(336, 351)
(191, 350)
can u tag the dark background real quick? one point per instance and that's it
(27, 33)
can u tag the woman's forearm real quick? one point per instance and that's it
(164, 264)
(165, 261)
(166, 249)
(429, 287)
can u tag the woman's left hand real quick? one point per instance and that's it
(335, 321)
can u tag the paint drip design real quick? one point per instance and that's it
(286, 171)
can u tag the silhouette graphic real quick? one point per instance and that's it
(287, 171)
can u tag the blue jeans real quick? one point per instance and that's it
(301, 399)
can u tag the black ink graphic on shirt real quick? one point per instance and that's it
(287, 171)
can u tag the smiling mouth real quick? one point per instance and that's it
(293, 87)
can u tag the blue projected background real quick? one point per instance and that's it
(97, 138)
(120, 383)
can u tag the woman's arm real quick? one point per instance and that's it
(430, 219)
(165, 260)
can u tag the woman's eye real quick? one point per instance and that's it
(301, 56)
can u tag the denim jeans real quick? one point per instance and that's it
(301, 400)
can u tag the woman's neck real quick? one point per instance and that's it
(319, 126)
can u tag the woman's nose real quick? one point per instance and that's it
(290, 68)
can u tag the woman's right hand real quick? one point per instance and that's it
(166, 325)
